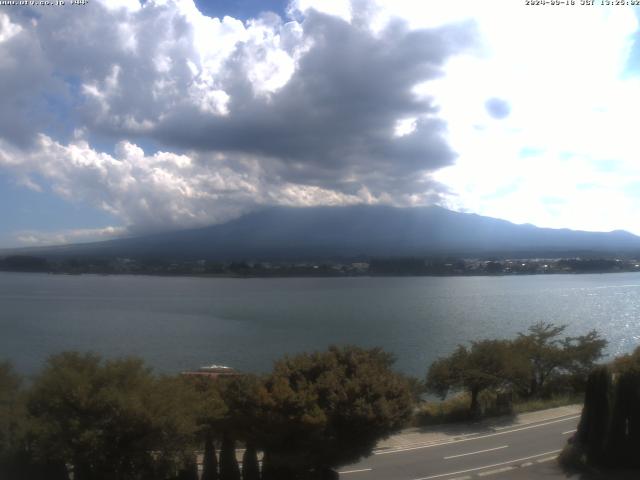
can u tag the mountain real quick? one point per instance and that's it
(280, 233)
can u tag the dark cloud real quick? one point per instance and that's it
(335, 118)
(149, 75)
(498, 108)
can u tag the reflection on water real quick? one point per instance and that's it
(177, 323)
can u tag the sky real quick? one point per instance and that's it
(123, 117)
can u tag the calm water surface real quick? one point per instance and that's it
(179, 323)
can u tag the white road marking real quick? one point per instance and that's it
(449, 442)
(487, 466)
(355, 471)
(427, 443)
(474, 453)
(547, 459)
(569, 431)
(496, 471)
(497, 429)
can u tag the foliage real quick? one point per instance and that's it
(241, 396)
(325, 409)
(110, 419)
(542, 349)
(548, 355)
(229, 469)
(486, 364)
(10, 408)
(534, 404)
(189, 470)
(452, 410)
(537, 363)
(209, 460)
(210, 409)
(250, 465)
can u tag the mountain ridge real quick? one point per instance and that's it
(287, 233)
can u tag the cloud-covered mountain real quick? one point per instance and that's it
(281, 233)
(169, 118)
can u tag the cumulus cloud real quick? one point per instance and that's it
(163, 190)
(36, 238)
(301, 110)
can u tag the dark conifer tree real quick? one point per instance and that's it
(190, 470)
(229, 469)
(210, 461)
(250, 467)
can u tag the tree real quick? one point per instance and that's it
(609, 428)
(110, 419)
(582, 352)
(250, 466)
(209, 461)
(229, 469)
(15, 458)
(325, 409)
(211, 413)
(547, 355)
(189, 470)
(10, 409)
(486, 364)
(542, 348)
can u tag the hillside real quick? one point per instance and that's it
(356, 231)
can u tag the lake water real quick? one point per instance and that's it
(177, 323)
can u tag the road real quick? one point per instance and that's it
(500, 453)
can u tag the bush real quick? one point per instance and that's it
(534, 404)
(454, 409)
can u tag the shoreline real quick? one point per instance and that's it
(319, 275)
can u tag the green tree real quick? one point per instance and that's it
(542, 347)
(548, 355)
(11, 413)
(16, 460)
(486, 364)
(326, 409)
(582, 353)
(211, 414)
(110, 419)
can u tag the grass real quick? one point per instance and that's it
(543, 403)
(452, 410)
(456, 409)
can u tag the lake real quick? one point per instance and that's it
(177, 323)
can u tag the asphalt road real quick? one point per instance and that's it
(502, 452)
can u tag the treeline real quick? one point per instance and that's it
(539, 363)
(115, 420)
(24, 263)
(393, 266)
(608, 434)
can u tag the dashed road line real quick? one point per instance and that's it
(547, 459)
(475, 453)
(497, 429)
(355, 471)
(516, 460)
(569, 431)
(496, 471)
(449, 442)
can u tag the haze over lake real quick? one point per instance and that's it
(176, 323)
